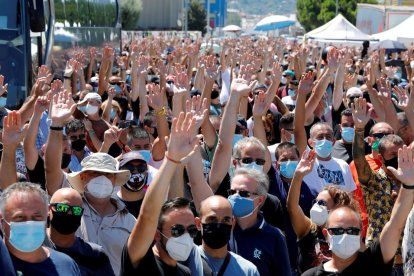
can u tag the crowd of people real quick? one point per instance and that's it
(267, 158)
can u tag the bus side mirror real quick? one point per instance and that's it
(36, 15)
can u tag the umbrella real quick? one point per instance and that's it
(273, 22)
(232, 28)
(65, 36)
(391, 46)
(204, 47)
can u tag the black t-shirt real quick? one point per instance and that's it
(312, 250)
(37, 175)
(133, 207)
(369, 262)
(150, 265)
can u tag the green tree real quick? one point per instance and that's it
(130, 11)
(312, 14)
(197, 17)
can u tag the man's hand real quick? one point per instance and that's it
(44, 72)
(260, 105)
(181, 84)
(111, 135)
(333, 59)
(405, 101)
(384, 90)
(241, 87)
(306, 84)
(41, 105)
(3, 88)
(62, 108)
(13, 129)
(305, 164)
(405, 172)
(155, 97)
(211, 71)
(199, 109)
(360, 113)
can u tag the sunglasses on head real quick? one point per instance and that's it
(178, 230)
(336, 231)
(241, 193)
(320, 202)
(248, 160)
(64, 208)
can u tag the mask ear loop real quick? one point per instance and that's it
(252, 210)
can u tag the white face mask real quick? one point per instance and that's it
(344, 246)
(180, 248)
(91, 109)
(283, 80)
(100, 187)
(318, 214)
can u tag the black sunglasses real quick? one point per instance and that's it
(64, 208)
(80, 137)
(248, 160)
(340, 231)
(132, 168)
(380, 135)
(320, 202)
(241, 193)
(178, 230)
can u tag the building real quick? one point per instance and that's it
(218, 12)
(161, 15)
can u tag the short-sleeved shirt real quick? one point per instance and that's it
(264, 246)
(331, 172)
(56, 264)
(150, 265)
(236, 266)
(90, 258)
(6, 265)
(342, 151)
(369, 262)
(408, 244)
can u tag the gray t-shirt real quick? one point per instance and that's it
(237, 264)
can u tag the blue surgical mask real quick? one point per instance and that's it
(146, 154)
(323, 148)
(242, 206)
(82, 108)
(291, 92)
(128, 78)
(252, 166)
(117, 88)
(113, 113)
(3, 101)
(292, 138)
(287, 168)
(348, 134)
(27, 236)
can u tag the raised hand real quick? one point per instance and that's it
(405, 101)
(62, 108)
(155, 97)
(92, 53)
(211, 71)
(41, 105)
(405, 172)
(13, 129)
(260, 105)
(384, 90)
(242, 87)
(181, 84)
(199, 109)
(111, 135)
(360, 113)
(306, 84)
(44, 72)
(70, 68)
(182, 139)
(305, 164)
(277, 72)
(333, 58)
(3, 88)
(55, 88)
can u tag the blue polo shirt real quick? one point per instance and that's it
(264, 246)
(307, 195)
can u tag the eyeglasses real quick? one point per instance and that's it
(380, 135)
(320, 202)
(76, 137)
(170, 82)
(352, 98)
(139, 168)
(248, 160)
(241, 193)
(116, 83)
(64, 208)
(336, 231)
(178, 230)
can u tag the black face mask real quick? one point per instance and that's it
(78, 145)
(216, 235)
(392, 163)
(65, 160)
(155, 134)
(214, 94)
(65, 223)
(136, 182)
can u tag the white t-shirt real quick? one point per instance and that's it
(335, 171)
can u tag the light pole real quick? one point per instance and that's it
(337, 6)
(208, 15)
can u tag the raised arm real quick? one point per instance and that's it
(182, 142)
(61, 109)
(338, 93)
(406, 103)
(13, 134)
(361, 116)
(384, 93)
(301, 224)
(391, 233)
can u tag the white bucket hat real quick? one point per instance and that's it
(99, 162)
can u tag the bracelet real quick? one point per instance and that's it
(408, 187)
(67, 77)
(91, 131)
(56, 128)
(172, 160)
(161, 112)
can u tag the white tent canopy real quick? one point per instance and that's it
(403, 32)
(339, 31)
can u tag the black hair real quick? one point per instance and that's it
(74, 125)
(174, 203)
(286, 146)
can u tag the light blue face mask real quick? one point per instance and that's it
(117, 88)
(3, 101)
(113, 113)
(146, 154)
(323, 148)
(348, 134)
(27, 236)
(287, 168)
(291, 92)
(242, 206)
(252, 166)
(82, 108)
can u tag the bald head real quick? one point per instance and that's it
(67, 195)
(345, 217)
(215, 209)
(381, 127)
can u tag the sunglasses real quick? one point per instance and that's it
(178, 230)
(80, 137)
(352, 99)
(320, 202)
(241, 193)
(116, 83)
(64, 208)
(248, 160)
(380, 135)
(139, 168)
(336, 231)
(127, 124)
